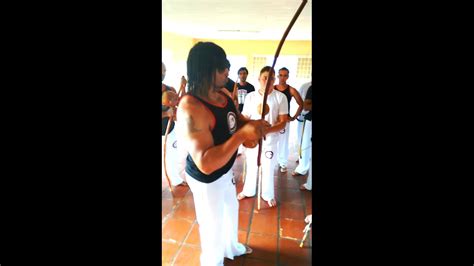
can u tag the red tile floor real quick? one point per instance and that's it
(274, 234)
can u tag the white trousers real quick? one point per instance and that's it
(309, 181)
(304, 162)
(299, 129)
(175, 159)
(283, 145)
(217, 213)
(268, 163)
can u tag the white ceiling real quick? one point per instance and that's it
(241, 20)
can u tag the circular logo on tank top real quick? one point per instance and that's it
(232, 122)
(282, 131)
(269, 154)
(175, 144)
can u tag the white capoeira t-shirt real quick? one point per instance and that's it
(278, 106)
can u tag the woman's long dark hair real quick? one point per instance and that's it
(203, 61)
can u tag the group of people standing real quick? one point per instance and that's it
(212, 127)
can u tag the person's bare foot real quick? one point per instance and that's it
(248, 250)
(302, 187)
(241, 196)
(272, 203)
(294, 173)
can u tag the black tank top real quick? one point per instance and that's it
(164, 120)
(225, 125)
(287, 93)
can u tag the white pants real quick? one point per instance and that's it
(268, 163)
(217, 213)
(283, 145)
(309, 181)
(304, 162)
(175, 159)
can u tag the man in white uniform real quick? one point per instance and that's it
(306, 147)
(289, 92)
(300, 119)
(277, 117)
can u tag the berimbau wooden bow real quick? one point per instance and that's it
(265, 94)
(234, 95)
(180, 94)
(300, 150)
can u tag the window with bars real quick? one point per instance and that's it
(254, 70)
(304, 68)
(258, 63)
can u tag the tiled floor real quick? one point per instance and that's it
(274, 234)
